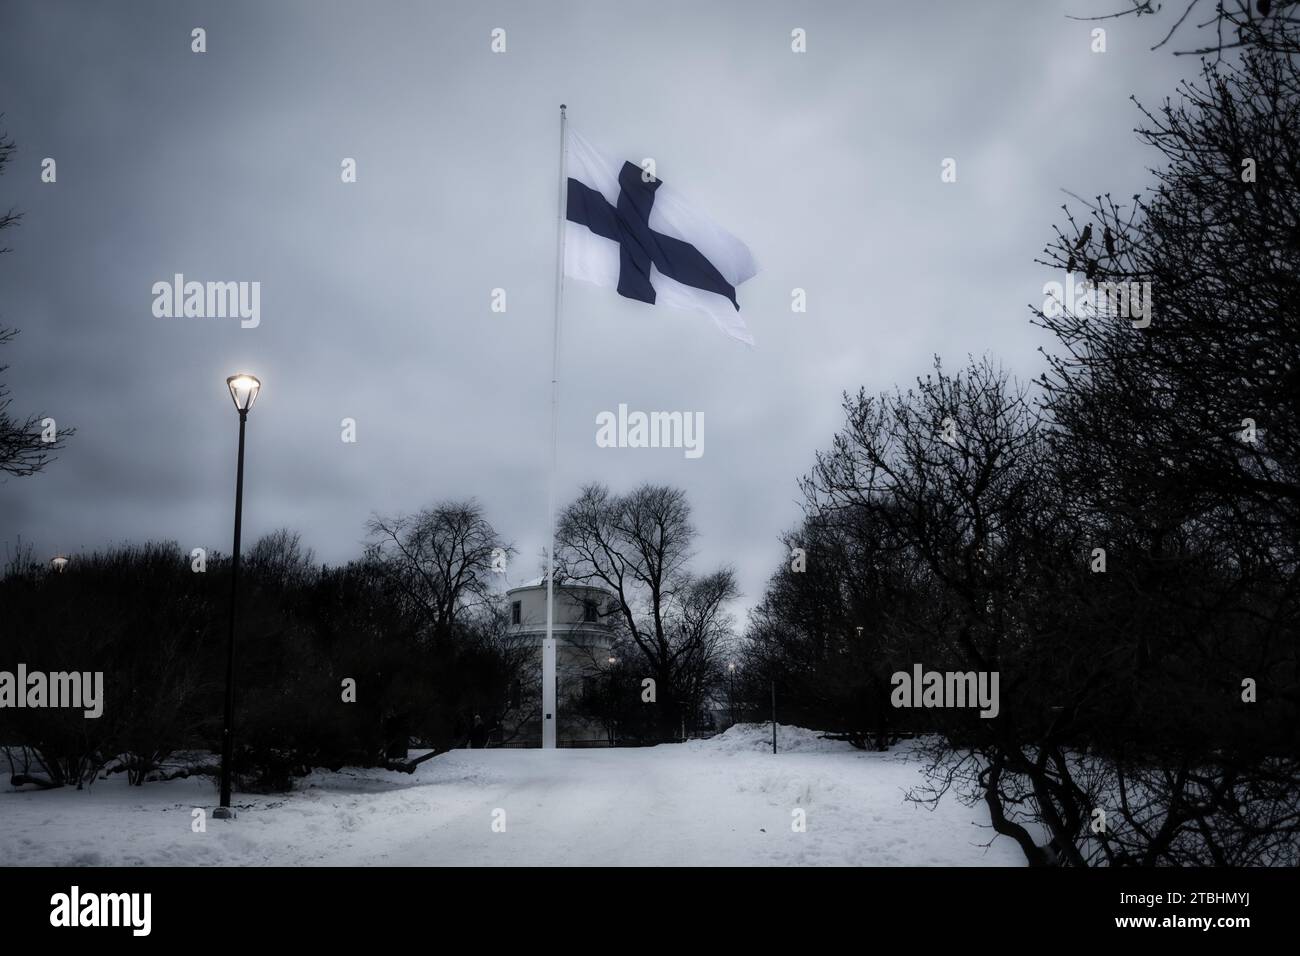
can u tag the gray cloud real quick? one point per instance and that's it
(375, 296)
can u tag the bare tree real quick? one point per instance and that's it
(1162, 450)
(440, 560)
(830, 630)
(278, 557)
(1220, 25)
(638, 545)
(24, 448)
(1205, 394)
(7, 149)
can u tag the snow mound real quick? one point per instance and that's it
(757, 738)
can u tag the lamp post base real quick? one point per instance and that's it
(223, 813)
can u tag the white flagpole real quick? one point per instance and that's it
(549, 715)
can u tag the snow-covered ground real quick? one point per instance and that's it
(725, 801)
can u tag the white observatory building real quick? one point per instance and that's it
(583, 633)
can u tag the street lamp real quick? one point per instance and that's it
(58, 563)
(731, 668)
(243, 392)
(613, 719)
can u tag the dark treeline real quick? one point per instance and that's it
(1118, 539)
(411, 623)
(410, 644)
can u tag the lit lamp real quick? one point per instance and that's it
(243, 392)
(613, 723)
(58, 562)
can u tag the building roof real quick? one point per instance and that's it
(540, 582)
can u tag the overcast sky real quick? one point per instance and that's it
(375, 296)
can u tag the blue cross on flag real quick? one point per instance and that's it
(626, 230)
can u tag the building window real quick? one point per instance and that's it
(516, 612)
(590, 612)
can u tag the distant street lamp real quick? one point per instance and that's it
(58, 563)
(243, 392)
(613, 721)
(731, 668)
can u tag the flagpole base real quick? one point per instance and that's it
(548, 694)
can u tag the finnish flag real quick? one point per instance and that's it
(630, 232)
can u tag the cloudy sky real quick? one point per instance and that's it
(375, 296)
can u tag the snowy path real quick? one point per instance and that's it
(720, 802)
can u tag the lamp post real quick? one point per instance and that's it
(773, 715)
(243, 392)
(731, 669)
(58, 563)
(613, 720)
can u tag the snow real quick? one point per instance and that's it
(757, 738)
(724, 801)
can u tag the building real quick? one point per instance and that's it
(584, 632)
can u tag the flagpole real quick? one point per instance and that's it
(549, 714)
